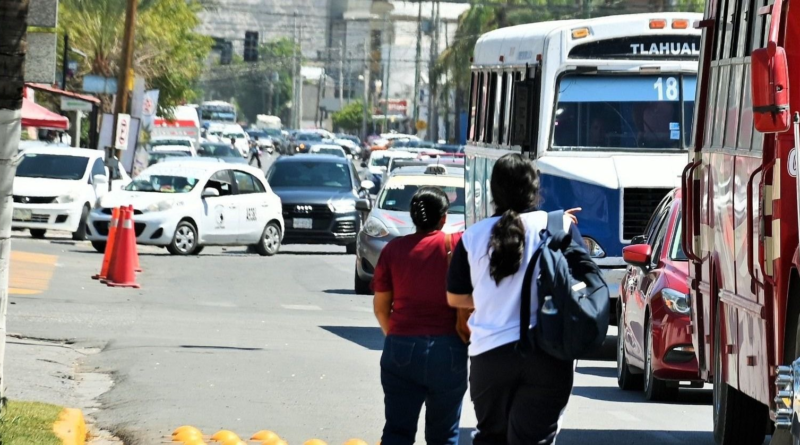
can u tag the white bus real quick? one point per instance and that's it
(605, 108)
(217, 111)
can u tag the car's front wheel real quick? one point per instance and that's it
(80, 234)
(362, 286)
(351, 249)
(270, 241)
(654, 388)
(626, 380)
(99, 246)
(184, 242)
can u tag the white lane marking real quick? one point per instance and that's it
(362, 309)
(301, 307)
(621, 415)
(216, 304)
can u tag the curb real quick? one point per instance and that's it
(71, 427)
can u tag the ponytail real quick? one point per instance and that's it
(428, 206)
(515, 189)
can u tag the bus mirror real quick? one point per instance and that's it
(770, 89)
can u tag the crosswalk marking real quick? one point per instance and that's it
(301, 307)
(30, 273)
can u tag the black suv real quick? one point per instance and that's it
(323, 199)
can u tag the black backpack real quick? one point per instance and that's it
(574, 322)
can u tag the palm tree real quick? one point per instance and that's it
(14, 16)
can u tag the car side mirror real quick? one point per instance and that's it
(100, 180)
(367, 184)
(363, 205)
(637, 255)
(770, 89)
(210, 192)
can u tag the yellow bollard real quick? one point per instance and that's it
(265, 435)
(186, 429)
(355, 442)
(196, 440)
(223, 436)
(234, 442)
(314, 442)
(183, 436)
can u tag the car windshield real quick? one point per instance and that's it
(381, 161)
(310, 174)
(216, 151)
(158, 142)
(162, 184)
(676, 252)
(309, 137)
(234, 135)
(160, 156)
(272, 132)
(624, 112)
(36, 165)
(397, 197)
(329, 151)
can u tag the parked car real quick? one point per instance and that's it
(56, 187)
(185, 206)
(654, 345)
(323, 199)
(390, 218)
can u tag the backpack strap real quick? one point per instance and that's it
(448, 246)
(555, 222)
(524, 344)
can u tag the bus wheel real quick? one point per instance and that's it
(738, 419)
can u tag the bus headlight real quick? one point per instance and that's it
(676, 301)
(593, 248)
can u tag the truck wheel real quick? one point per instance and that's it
(654, 389)
(738, 419)
(626, 380)
(361, 286)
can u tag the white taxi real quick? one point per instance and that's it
(187, 205)
(55, 188)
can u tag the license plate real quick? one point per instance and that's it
(303, 223)
(22, 214)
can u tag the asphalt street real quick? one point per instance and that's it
(229, 340)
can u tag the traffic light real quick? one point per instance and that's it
(251, 46)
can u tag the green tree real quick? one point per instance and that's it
(350, 117)
(168, 53)
(250, 83)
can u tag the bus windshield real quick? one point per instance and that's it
(625, 112)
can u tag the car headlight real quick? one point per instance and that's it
(593, 248)
(342, 206)
(161, 206)
(66, 199)
(375, 228)
(676, 301)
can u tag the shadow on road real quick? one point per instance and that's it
(597, 371)
(339, 291)
(633, 437)
(370, 338)
(311, 253)
(614, 394)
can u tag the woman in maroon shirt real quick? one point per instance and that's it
(424, 360)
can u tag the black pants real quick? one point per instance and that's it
(518, 400)
(256, 157)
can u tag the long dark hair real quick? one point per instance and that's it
(515, 189)
(428, 206)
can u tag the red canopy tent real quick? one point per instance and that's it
(34, 115)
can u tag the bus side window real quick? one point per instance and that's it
(499, 108)
(509, 92)
(473, 95)
(491, 100)
(480, 127)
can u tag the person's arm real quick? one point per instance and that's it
(382, 306)
(459, 279)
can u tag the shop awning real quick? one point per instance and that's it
(34, 115)
(60, 92)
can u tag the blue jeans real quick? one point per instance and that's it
(416, 370)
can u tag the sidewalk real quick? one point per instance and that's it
(48, 371)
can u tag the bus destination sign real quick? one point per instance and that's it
(641, 47)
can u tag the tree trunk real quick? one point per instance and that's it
(14, 16)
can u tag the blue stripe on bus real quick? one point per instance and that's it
(600, 216)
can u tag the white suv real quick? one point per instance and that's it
(56, 187)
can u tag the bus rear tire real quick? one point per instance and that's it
(738, 419)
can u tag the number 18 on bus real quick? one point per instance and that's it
(604, 106)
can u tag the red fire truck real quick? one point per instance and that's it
(740, 219)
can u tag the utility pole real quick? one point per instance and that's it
(418, 66)
(432, 80)
(341, 75)
(293, 119)
(121, 103)
(12, 71)
(299, 77)
(65, 62)
(366, 89)
(387, 33)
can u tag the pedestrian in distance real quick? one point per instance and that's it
(255, 152)
(519, 396)
(424, 359)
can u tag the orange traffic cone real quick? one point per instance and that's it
(109, 252)
(136, 266)
(121, 273)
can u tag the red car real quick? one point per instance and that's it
(654, 344)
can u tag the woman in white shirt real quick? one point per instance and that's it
(518, 399)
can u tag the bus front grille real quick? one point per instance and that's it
(638, 204)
